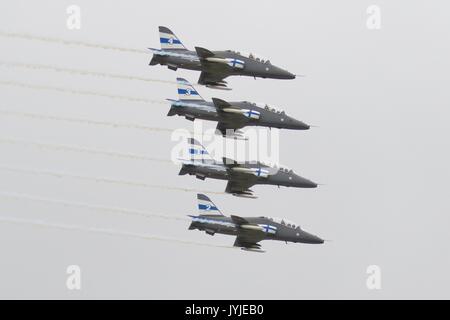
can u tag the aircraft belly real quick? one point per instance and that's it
(210, 173)
(212, 228)
(181, 63)
(215, 175)
(229, 231)
(202, 114)
(209, 117)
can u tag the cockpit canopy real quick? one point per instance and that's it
(275, 166)
(273, 109)
(250, 55)
(267, 107)
(284, 222)
(285, 169)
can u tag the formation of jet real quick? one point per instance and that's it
(215, 66)
(240, 176)
(230, 116)
(248, 231)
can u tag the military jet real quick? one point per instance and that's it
(240, 176)
(229, 115)
(248, 231)
(215, 66)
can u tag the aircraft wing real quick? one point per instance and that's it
(241, 186)
(231, 116)
(248, 240)
(223, 126)
(249, 234)
(216, 68)
(213, 77)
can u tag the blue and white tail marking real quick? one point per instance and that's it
(186, 91)
(196, 151)
(169, 40)
(206, 206)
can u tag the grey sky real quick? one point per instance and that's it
(380, 99)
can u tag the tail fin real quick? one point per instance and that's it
(169, 40)
(187, 92)
(197, 151)
(206, 206)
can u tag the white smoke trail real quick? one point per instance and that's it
(36, 116)
(111, 232)
(70, 42)
(123, 211)
(60, 147)
(81, 92)
(83, 121)
(103, 180)
(80, 72)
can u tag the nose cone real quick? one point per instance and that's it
(301, 182)
(305, 237)
(279, 73)
(297, 125)
(288, 75)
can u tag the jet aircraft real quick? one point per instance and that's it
(230, 116)
(248, 231)
(240, 176)
(215, 66)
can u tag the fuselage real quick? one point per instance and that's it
(252, 66)
(262, 174)
(250, 114)
(272, 230)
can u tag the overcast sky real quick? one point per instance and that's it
(380, 100)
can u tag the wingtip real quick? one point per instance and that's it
(163, 29)
(183, 80)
